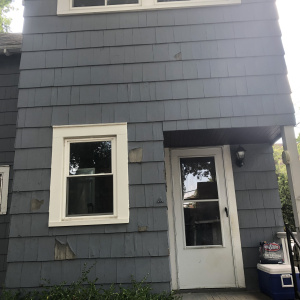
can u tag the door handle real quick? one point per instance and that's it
(226, 210)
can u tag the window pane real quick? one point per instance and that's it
(90, 195)
(90, 158)
(120, 2)
(80, 3)
(199, 180)
(202, 223)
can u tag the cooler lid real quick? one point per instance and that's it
(276, 268)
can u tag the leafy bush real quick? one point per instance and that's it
(286, 201)
(283, 185)
(85, 289)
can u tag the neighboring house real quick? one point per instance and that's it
(129, 117)
(10, 46)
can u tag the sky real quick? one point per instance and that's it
(289, 23)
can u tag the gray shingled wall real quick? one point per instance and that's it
(9, 77)
(258, 203)
(200, 68)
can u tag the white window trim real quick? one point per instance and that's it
(62, 135)
(65, 7)
(4, 171)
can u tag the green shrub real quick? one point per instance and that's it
(85, 289)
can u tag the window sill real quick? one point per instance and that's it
(88, 221)
(64, 6)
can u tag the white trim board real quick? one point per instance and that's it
(65, 7)
(234, 220)
(62, 136)
(4, 171)
(170, 203)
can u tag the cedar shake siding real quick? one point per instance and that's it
(216, 70)
(9, 78)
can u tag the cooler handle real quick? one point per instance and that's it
(284, 276)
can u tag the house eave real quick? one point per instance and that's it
(222, 136)
(10, 43)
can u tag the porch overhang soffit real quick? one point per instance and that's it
(225, 136)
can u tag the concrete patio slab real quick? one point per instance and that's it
(224, 296)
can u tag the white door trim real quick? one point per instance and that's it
(234, 223)
(234, 220)
(170, 203)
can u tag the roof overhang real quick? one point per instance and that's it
(222, 136)
(10, 43)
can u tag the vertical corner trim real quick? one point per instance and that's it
(234, 221)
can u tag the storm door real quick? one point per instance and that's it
(201, 217)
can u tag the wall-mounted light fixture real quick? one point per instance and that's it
(240, 156)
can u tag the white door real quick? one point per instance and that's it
(204, 251)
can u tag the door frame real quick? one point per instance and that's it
(233, 216)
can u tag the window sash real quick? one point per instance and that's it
(89, 175)
(139, 2)
(89, 202)
(67, 143)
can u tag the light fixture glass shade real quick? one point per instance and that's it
(240, 156)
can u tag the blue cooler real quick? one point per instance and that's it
(276, 280)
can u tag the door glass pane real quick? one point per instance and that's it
(198, 177)
(90, 158)
(201, 218)
(90, 195)
(202, 223)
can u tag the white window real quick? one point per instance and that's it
(89, 175)
(65, 7)
(4, 180)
